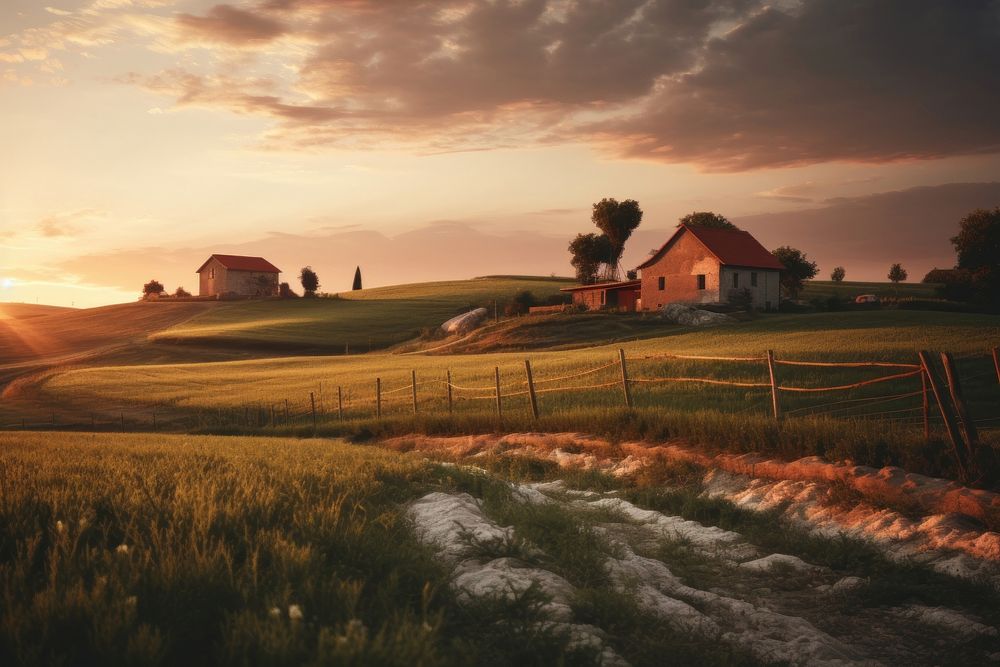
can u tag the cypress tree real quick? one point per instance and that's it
(357, 278)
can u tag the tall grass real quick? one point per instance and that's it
(150, 550)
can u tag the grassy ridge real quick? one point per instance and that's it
(365, 319)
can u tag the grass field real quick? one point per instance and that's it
(20, 311)
(193, 550)
(847, 290)
(233, 396)
(197, 550)
(359, 321)
(76, 333)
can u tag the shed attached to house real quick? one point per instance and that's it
(611, 296)
(237, 275)
(707, 265)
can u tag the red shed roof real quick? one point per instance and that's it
(242, 263)
(733, 247)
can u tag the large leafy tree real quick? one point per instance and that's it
(153, 287)
(838, 274)
(798, 268)
(589, 252)
(978, 248)
(617, 220)
(309, 280)
(706, 219)
(897, 273)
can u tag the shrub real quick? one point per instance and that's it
(181, 292)
(520, 304)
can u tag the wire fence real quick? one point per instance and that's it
(785, 388)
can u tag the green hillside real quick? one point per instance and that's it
(371, 318)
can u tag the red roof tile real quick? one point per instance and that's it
(732, 247)
(242, 263)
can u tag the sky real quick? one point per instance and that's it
(450, 139)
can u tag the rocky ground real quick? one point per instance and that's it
(909, 584)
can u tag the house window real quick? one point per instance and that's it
(701, 281)
(736, 281)
(604, 297)
(661, 283)
(753, 279)
(211, 272)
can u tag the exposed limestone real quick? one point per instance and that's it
(693, 317)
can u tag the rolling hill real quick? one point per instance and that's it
(356, 321)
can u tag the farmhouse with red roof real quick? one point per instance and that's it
(707, 265)
(695, 265)
(237, 275)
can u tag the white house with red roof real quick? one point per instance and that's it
(237, 275)
(707, 265)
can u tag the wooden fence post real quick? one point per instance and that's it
(340, 402)
(312, 402)
(531, 389)
(273, 422)
(955, 389)
(496, 375)
(775, 400)
(286, 411)
(926, 404)
(949, 422)
(378, 398)
(154, 419)
(448, 385)
(413, 386)
(625, 388)
(996, 363)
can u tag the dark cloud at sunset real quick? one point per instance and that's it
(727, 85)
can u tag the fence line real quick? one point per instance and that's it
(855, 385)
(728, 383)
(277, 413)
(846, 364)
(699, 357)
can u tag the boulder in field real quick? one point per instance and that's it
(688, 316)
(465, 322)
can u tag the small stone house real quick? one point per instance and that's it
(707, 265)
(237, 275)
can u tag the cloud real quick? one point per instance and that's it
(725, 85)
(799, 192)
(830, 80)
(229, 25)
(65, 224)
(866, 234)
